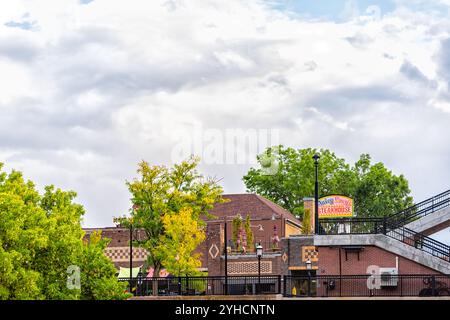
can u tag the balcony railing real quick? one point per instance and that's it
(268, 247)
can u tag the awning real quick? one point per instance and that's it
(125, 272)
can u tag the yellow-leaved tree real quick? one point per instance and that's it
(168, 205)
(183, 234)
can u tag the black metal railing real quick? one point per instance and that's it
(421, 209)
(420, 241)
(384, 285)
(269, 246)
(237, 285)
(366, 285)
(352, 226)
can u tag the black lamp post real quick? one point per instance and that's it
(316, 158)
(259, 252)
(131, 256)
(226, 257)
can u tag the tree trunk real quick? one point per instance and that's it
(156, 270)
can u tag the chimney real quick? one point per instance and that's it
(308, 204)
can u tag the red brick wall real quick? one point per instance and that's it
(370, 255)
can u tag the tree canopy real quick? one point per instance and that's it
(41, 238)
(168, 204)
(375, 189)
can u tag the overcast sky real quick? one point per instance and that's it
(89, 88)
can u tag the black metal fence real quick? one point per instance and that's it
(367, 286)
(237, 285)
(297, 286)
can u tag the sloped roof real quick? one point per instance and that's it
(254, 205)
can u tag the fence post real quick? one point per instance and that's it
(384, 225)
(245, 285)
(179, 286)
(187, 285)
(309, 284)
(279, 284)
(401, 285)
(138, 285)
(433, 285)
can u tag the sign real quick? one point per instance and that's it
(335, 206)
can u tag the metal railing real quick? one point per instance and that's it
(420, 241)
(269, 246)
(366, 286)
(421, 209)
(297, 286)
(352, 226)
(237, 285)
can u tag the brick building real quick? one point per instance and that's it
(332, 256)
(269, 224)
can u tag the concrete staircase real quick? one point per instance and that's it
(426, 217)
(431, 223)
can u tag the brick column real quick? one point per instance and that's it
(214, 248)
(308, 203)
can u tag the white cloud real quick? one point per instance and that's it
(92, 89)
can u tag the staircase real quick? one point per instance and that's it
(426, 217)
(411, 227)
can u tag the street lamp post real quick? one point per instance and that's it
(259, 252)
(316, 158)
(309, 267)
(308, 264)
(131, 256)
(226, 257)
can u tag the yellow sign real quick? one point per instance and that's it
(335, 206)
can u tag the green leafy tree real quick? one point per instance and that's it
(163, 200)
(40, 238)
(235, 231)
(249, 233)
(376, 190)
(98, 274)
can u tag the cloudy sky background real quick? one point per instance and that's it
(89, 88)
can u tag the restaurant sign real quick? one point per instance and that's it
(335, 206)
